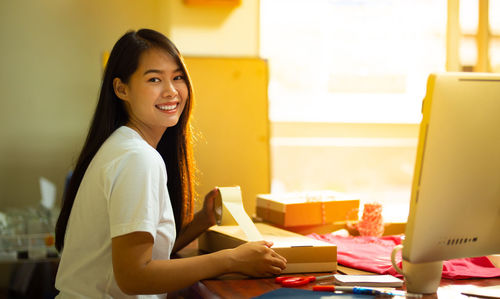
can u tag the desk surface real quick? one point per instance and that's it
(239, 287)
(249, 288)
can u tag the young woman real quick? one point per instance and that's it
(129, 203)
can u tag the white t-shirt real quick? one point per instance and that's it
(124, 190)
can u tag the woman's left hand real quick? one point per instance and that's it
(208, 207)
(203, 219)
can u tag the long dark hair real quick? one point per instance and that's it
(175, 145)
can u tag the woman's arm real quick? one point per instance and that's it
(202, 220)
(136, 272)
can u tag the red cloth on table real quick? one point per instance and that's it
(373, 254)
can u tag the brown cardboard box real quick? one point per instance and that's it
(302, 253)
(306, 209)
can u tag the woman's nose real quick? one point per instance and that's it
(169, 90)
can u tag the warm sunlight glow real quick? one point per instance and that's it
(347, 79)
(351, 61)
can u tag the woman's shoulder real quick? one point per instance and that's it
(126, 145)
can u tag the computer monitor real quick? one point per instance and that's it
(455, 200)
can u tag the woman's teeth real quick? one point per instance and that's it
(167, 107)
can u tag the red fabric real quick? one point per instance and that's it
(373, 254)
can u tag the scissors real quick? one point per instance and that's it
(295, 281)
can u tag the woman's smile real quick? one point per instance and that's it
(168, 107)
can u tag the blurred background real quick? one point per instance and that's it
(343, 82)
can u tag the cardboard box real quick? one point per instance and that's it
(317, 229)
(302, 253)
(306, 208)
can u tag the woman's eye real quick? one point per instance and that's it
(154, 80)
(179, 77)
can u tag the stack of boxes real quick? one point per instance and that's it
(305, 212)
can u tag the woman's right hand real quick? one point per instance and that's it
(256, 259)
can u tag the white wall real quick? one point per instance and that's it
(214, 30)
(51, 58)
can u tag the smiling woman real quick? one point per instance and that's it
(121, 220)
(155, 95)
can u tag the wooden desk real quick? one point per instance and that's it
(249, 288)
(239, 287)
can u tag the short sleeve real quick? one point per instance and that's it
(134, 194)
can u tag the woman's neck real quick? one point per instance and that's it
(150, 135)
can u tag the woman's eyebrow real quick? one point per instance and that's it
(160, 71)
(153, 71)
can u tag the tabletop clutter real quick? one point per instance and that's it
(28, 232)
(316, 208)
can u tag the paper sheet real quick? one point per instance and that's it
(485, 292)
(48, 193)
(230, 211)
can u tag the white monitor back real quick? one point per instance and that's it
(455, 201)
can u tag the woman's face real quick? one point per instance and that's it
(156, 93)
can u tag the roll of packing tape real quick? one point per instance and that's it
(229, 210)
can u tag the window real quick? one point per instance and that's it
(351, 61)
(347, 78)
(471, 14)
(494, 48)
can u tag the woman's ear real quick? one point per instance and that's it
(120, 89)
